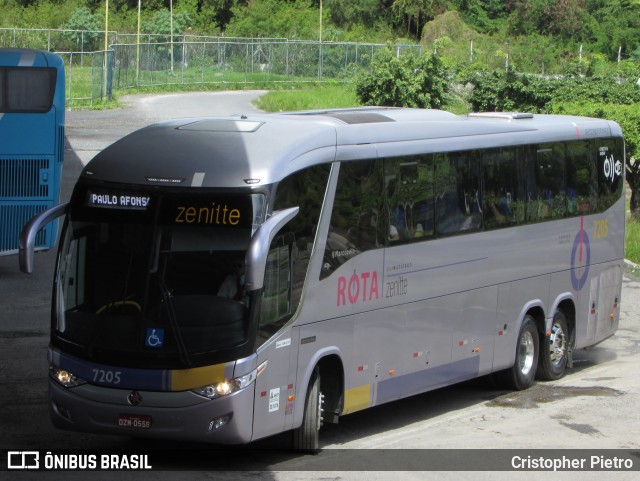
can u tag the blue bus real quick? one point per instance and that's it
(32, 106)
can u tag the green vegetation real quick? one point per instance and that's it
(543, 36)
(308, 98)
(632, 241)
(408, 80)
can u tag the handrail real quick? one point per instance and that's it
(256, 257)
(27, 242)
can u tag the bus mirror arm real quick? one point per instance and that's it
(27, 242)
(256, 258)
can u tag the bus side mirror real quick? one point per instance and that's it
(256, 258)
(27, 243)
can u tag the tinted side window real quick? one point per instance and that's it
(457, 190)
(357, 216)
(276, 307)
(410, 198)
(610, 167)
(546, 197)
(502, 199)
(581, 178)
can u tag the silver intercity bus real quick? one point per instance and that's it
(225, 279)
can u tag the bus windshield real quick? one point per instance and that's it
(144, 287)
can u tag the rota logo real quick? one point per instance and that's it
(358, 288)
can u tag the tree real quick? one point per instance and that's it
(274, 18)
(619, 22)
(413, 14)
(161, 23)
(564, 18)
(403, 81)
(346, 14)
(633, 179)
(481, 14)
(87, 26)
(508, 91)
(219, 12)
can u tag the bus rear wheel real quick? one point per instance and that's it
(521, 374)
(554, 352)
(306, 438)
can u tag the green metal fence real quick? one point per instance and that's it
(93, 74)
(239, 61)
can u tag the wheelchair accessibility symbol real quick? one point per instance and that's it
(154, 338)
(580, 258)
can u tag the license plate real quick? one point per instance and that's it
(134, 421)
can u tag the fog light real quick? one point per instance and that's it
(217, 423)
(62, 411)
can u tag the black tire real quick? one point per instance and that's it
(521, 375)
(306, 438)
(554, 350)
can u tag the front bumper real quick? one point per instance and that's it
(173, 415)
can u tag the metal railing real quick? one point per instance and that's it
(88, 77)
(239, 62)
(93, 74)
(56, 40)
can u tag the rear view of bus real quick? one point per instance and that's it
(31, 142)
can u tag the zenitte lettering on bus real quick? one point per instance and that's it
(215, 214)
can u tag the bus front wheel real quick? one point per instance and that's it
(554, 350)
(521, 374)
(306, 438)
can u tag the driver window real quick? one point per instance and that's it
(275, 309)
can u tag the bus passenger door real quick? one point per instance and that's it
(275, 342)
(275, 387)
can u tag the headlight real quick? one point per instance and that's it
(66, 378)
(213, 391)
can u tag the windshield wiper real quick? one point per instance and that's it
(175, 327)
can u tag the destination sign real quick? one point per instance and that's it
(211, 211)
(120, 200)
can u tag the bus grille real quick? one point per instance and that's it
(13, 218)
(25, 178)
(60, 144)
